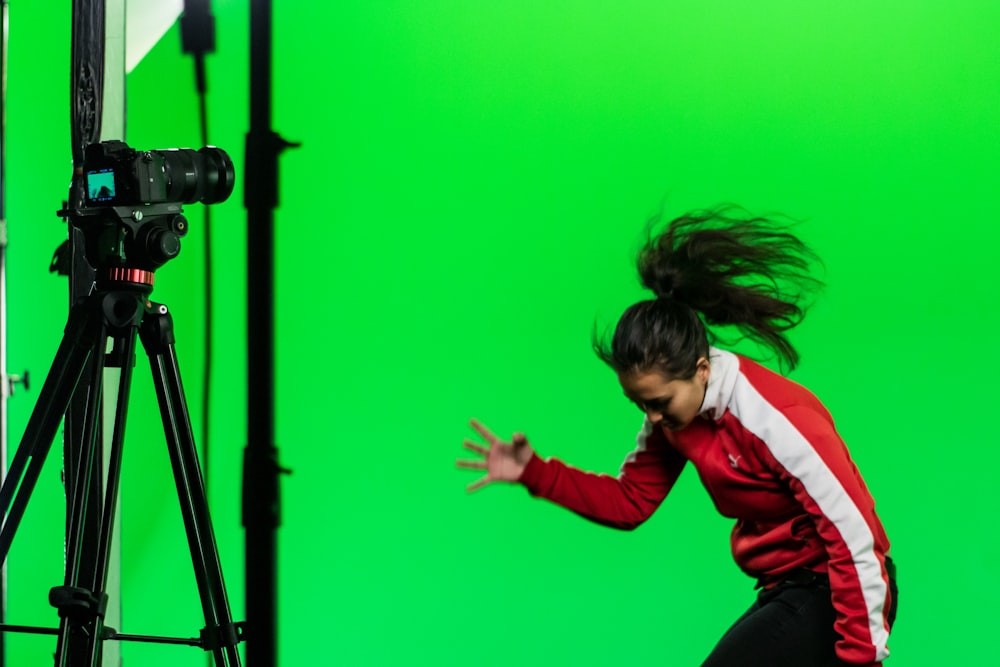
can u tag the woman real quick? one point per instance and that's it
(764, 447)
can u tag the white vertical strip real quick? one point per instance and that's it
(113, 127)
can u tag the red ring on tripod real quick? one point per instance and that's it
(121, 274)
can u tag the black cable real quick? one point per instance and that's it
(198, 39)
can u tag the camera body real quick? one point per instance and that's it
(127, 203)
(117, 175)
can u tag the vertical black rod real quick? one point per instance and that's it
(261, 504)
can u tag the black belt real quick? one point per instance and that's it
(805, 577)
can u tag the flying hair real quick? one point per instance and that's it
(730, 268)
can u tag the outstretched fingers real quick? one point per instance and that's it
(497, 456)
(477, 448)
(483, 431)
(476, 464)
(478, 484)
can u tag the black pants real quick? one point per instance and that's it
(790, 625)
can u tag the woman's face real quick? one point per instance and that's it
(668, 403)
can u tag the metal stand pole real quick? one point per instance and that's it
(261, 503)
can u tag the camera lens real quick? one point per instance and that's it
(205, 175)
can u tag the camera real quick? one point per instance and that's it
(127, 203)
(117, 175)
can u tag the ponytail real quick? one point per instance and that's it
(722, 267)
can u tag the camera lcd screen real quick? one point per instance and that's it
(101, 185)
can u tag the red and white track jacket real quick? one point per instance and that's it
(768, 453)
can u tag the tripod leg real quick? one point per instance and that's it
(77, 605)
(82, 334)
(81, 599)
(103, 545)
(81, 468)
(88, 555)
(221, 634)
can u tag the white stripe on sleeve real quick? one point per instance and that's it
(793, 451)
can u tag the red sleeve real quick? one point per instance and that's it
(823, 478)
(621, 502)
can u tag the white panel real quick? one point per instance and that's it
(146, 21)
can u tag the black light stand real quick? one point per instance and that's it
(261, 502)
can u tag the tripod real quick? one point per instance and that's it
(117, 311)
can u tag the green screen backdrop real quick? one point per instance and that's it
(471, 189)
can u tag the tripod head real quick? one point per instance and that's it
(141, 238)
(127, 203)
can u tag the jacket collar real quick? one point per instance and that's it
(725, 367)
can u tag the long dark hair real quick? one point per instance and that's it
(715, 267)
